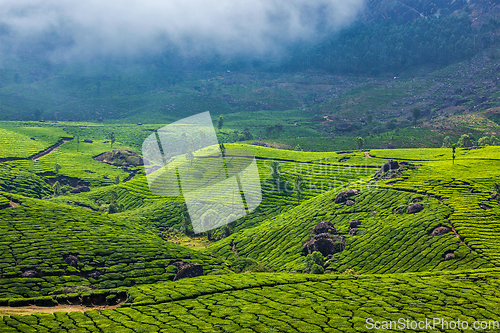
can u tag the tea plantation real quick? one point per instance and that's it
(420, 241)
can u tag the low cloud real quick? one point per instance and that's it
(88, 29)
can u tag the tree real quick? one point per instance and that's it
(298, 186)
(269, 130)
(447, 142)
(246, 134)
(415, 112)
(314, 262)
(360, 142)
(298, 148)
(278, 129)
(220, 122)
(57, 188)
(275, 167)
(111, 138)
(453, 148)
(208, 219)
(57, 167)
(484, 141)
(494, 141)
(117, 180)
(465, 141)
(222, 149)
(38, 114)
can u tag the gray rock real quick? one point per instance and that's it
(415, 208)
(189, 271)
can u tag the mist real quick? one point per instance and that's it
(83, 30)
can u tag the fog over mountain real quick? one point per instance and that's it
(71, 30)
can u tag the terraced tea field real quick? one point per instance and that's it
(414, 243)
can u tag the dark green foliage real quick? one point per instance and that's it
(465, 141)
(415, 113)
(389, 47)
(220, 122)
(359, 142)
(314, 263)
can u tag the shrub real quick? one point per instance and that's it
(315, 258)
(317, 269)
(447, 142)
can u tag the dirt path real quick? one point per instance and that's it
(49, 150)
(30, 309)
(367, 154)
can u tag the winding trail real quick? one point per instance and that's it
(38, 155)
(49, 150)
(30, 309)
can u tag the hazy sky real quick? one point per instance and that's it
(89, 28)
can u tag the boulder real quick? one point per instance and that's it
(415, 200)
(449, 256)
(96, 274)
(349, 203)
(31, 273)
(354, 223)
(324, 244)
(390, 165)
(324, 227)
(494, 195)
(440, 231)
(189, 271)
(84, 189)
(80, 189)
(343, 196)
(353, 231)
(71, 260)
(415, 208)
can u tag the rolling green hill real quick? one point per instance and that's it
(113, 249)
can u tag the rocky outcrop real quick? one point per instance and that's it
(343, 196)
(449, 256)
(80, 189)
(71, 260)
(120, 157)
(189, 271)
(440, 231)
(324, 227)
(415, 208)
(31, 273)
(354, 223)
(324, 243)
(388, 166)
